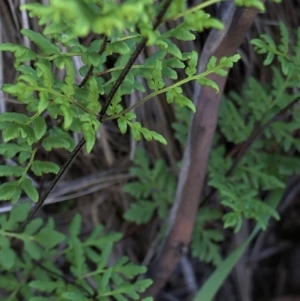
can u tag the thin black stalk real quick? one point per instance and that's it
(128, 66)
(42, 199)
(90, 71)
(101, 115)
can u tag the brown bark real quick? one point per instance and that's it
(196, 155)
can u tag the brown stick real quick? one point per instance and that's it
(192, 174)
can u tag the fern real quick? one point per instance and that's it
(34, 272)
(271, 159)
(265, 44)
(40, 246)
(205, 241)
(154, 189)
(257, 171)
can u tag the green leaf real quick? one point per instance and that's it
(93, 95)
(65, 61)
(74, 296)
(41, 167)
(169, 73)
(28, 70)
(9, 282)
(212, 63)
(140, 212)
(16, 130)
(253, 3)
(8, 190)
(75, 226)
(269, 59)
(159, 138)
(44, 71)
(106, 253)
(44, 286)
(55, 142)
(155, 81)
(10, 132)
(174, 63)
(41, 41)
(9, 150)
(89, 136)
(192, 64)
(227, 62)
(199, 20)
(181, 32)
(285, 40)
(30, 190)
(221, 72)
(39, 127)
(19, 213)
(203, 81)
(122, 124)
(136, 189)
(141, 285)
(33, 226)
(16, 196)
(22, 53)
(24, 156)
(91, 58)
(103, 287)
(183, 101)
(78, 254)
(204, 244)
(14, 117)
(8, 170)
(130, 115)
(49, 238)
(7, 257)
(32, 249)
(150, 61)
(43, 103)
(172, 49)
(117, 47)
(129, 269)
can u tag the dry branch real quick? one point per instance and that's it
(183, 214)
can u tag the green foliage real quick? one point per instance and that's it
(137, 129)
(39, 262)
(253, 3)
(78, 18)
(154, 189)
(217, 278)
(272, 157)
(205, 241)
(264, 167)
(265, 44)
(31, 260)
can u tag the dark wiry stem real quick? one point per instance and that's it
(120, 79)
(100, 116)
(90, 71)
(62, 170)
(128, 66)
